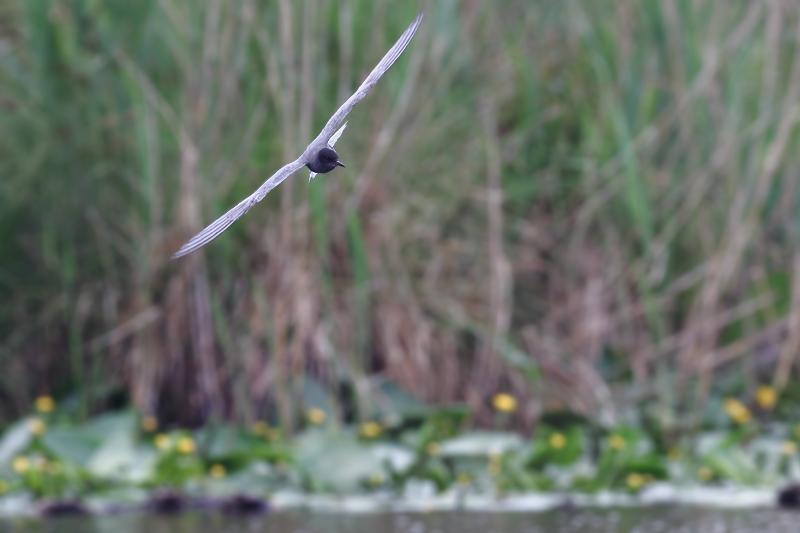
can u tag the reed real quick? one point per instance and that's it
(592, 205)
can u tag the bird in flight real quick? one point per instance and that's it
(320, 156)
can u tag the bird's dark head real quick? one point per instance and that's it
(324, 161)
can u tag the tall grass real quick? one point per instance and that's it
(590, 204)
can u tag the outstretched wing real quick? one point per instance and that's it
(335, 136)
(379, 70)
(332, 129)
(222, 223)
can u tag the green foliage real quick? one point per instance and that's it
(425, 450)
(553, 447)
(636, 259)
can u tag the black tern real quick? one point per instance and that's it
(320, 156)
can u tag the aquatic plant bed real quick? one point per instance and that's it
(428, 459)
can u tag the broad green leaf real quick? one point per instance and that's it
(118, 456)
(333, 460)
(71, 444)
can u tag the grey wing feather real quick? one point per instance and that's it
(379, 70)
(222, 223)
(335, 137)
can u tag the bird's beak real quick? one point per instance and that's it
(340, 164)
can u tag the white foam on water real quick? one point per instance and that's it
(459, 500)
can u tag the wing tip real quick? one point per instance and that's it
(181, 252)
(414, 26)
(196, 242)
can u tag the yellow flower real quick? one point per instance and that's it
(617, 442)
(262, 429)
(20, 464)
(376, 479)
(432, 448)
(217, 471)
(704, 473)
(635, 481)
(259, 428)
(737, 411)
(3, 487)
(163, 442)
(504, 402)
(185, 445)
(766, 397)
(45, 404)
(315, 416)
(37, 426)
(149, 423)
(674, 453)
(557, 441)
(370, 430)
(788, 448)
(464, 479)
(495, 463)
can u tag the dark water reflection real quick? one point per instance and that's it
(643, 520)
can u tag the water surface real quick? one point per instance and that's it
(638, 520)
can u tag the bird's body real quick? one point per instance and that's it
(319, 156)
(325, 160)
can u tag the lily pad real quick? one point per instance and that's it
(480, 444)
(333, 460)
(119, 457)
(71, 444)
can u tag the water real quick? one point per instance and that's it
(631, 520)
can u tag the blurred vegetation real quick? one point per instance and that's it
(588, 206)
(406, 455)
